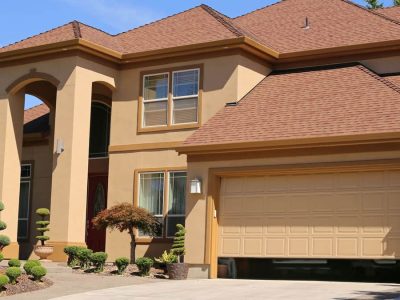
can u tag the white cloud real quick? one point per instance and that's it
(116, 14)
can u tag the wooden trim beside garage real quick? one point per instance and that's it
(214, 181)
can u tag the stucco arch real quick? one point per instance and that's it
(31, 77)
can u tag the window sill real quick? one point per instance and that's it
(169, 128)
(148, 240)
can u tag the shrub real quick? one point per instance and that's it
(98, 259)
(122, 263)
(4, 240)
(144, 265)
(13, 273)
(3, 281)
(14, 263)
(43, 213)
(38, 272)
(72, 251)
(167, 258)
(83, 256)
(178, 247)
(1, 256)
(29, 265)
(3, 225)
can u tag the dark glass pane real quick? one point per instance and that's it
(186, 83)
(23, 210)
(99, 130)
(26, 171)
(177, 193)
(22, 229)
(172, 222)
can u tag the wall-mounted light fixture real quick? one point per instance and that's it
(60, 146)
(195, 186)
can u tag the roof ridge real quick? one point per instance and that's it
(35, 35)
(258, 9)
(223, 19)
(156, 21)
(77, 30)
(371, 11)
(95, 28)
(388, 83)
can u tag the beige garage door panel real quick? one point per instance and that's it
(338, 215)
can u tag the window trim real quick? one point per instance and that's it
(170, 126)
(136, 192)
(31, 185)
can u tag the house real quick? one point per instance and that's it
(287, 118)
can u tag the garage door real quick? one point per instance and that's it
(335, 215)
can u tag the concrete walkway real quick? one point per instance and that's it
(244, 289)
(66, 283)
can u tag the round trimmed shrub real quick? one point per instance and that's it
(144, 265)
(3, 225)
(121, 263)
(43, 212)
(1, 256)
(30, 264)
(4, 241)
(14, 263)
(38, 272)
(13, 273)
(83, 255)
(98, 259)
(3, 281)
(1, 206)
(72, 251)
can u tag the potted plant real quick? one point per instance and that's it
(178, 270)
(42, 250)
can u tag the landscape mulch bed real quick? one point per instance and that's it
(24, 284)
(132, 270)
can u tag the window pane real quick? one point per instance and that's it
(186, 83)
(171, 224)
(22, 229)
(155, 113)
(99, 130)
(185, 110)
(151, 195)
(177, 193)
(24, 200)
(26, 171)
(155, 87)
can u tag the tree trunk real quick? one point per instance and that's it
(133, 246)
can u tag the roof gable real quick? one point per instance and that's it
(339, 101)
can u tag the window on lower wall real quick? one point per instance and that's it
(24, 202)
(163, 194)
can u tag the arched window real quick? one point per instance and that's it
(99, 130)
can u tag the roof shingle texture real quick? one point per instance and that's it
(35, 112)
(390, 12)
(333, 23)
(340, 101)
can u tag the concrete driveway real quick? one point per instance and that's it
(244, 289)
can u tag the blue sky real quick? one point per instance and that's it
(26, 17)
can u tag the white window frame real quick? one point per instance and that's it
(171, 112)
(26, 179)
(154, 100)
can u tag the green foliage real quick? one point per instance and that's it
(1, 256)
(144, 265)
(30, 264)
(373, 4)
(396, 2)
(72, 251)
(98, 259)
(38, 272)
(121, 263)
(83, 255)
(3, 225)
(43, 213)
(4, 241)
(1, 206)
(167, 258)
(3, 281)
(178, 247)
(13, 273)
(14, 263)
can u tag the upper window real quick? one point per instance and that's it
(170, 99)
(99, 130)
(24, 202)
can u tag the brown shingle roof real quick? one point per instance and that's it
(333, 23)
(390, 12)
(35, 112)
(334, 102)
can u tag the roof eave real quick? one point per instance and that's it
(300, 143)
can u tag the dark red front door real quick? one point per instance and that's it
(97, 201)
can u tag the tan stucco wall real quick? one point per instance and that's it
(196, 204)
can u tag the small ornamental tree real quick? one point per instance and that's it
(373, 4)
(178, 247)
(396, 2)
(4, 240)
(127, 217)
(43, 213)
